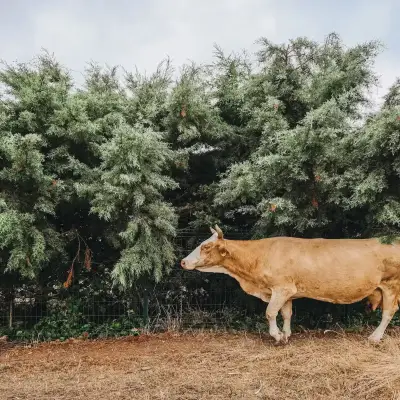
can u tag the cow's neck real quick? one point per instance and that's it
(241, 261)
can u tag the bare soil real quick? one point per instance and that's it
(204, 366)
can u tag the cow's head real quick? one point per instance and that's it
(208, 255)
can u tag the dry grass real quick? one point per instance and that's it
(204, 366)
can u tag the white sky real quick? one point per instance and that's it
(142, 33)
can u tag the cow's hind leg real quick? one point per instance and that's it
(278, 299)
(389, 307)
(286, 312)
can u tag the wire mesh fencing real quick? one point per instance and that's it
(182, 308)
(159, 310)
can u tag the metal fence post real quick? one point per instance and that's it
(146, 307)
(11, 307)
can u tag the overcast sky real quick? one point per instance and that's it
(142, 33)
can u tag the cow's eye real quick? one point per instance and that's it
(207, 246)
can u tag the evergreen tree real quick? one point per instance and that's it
(126, 185)
(304, 104)
(376, 157)
(67, 156)
(30, 191)
(126, 190)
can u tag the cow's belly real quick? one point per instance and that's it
(336, 282)
(345, 293)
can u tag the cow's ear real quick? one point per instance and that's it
(223, 251)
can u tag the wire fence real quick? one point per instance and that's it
(158, 311)
(183, 306)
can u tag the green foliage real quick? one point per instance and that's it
(67, 156)
(128, 192)
(310, 173)
(28, 237)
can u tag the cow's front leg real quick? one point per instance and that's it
(286, 312)
(279, 297)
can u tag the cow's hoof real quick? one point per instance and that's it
(285, 337)
(278, 337)
(375, 339)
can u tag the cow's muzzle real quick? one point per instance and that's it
(189, 264)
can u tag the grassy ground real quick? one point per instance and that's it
(204, 366)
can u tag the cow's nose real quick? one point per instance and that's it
(183, 263)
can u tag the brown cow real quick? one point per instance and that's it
(280, 269)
